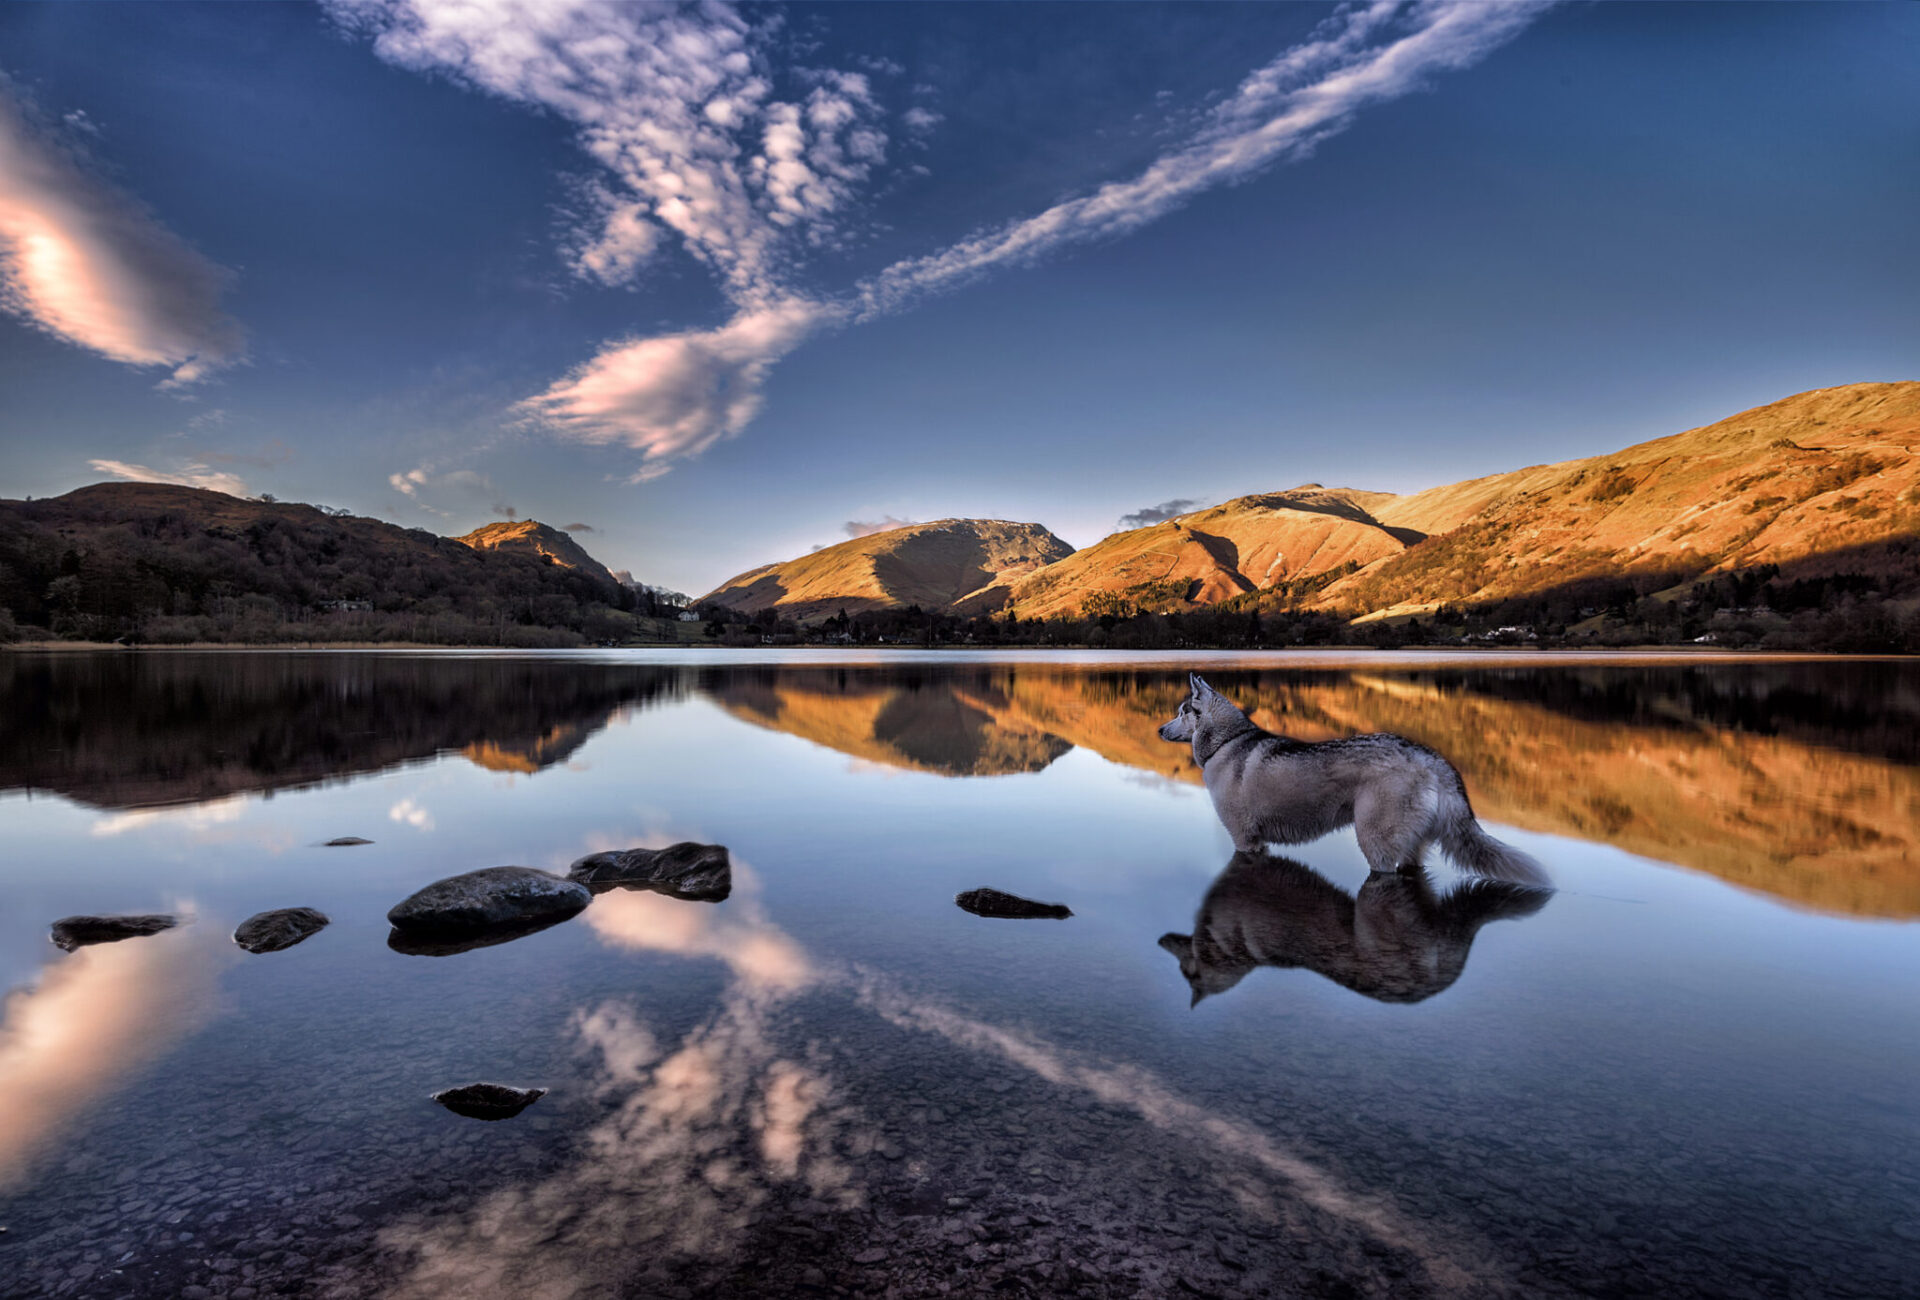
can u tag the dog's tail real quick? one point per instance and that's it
(1472, 849)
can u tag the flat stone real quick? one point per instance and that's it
(344, 842)
(272, 931)
(71, 932)
(493, 896)
(994, 903)
(699, 872)
(488, 1100)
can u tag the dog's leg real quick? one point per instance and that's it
(1391, 827)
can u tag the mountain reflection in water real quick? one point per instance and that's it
(793, 1065)
(1798, 779)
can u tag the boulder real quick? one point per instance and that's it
(991, 902)
(701, 872)
(446, 943)
(488, 1100)
(272, 931)
(71, 932)
(489, 898)
(344, 842)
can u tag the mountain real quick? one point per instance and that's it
(1254, 543)
(159, 562)
(1815, 485)
(531, 537)
(960, 565)
(1822, 486)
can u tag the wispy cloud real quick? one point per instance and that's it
(867, 527)
(1156, 514)
(87, 263)
(411, 814)
(703, 140)
(468, 487)
(191, 474)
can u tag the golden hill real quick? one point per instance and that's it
(1250, 544)
(950, 564)
(1819, 483)
(1822, 483)
(1790, 814)
(531, 537)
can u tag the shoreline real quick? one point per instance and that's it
(1404, 655)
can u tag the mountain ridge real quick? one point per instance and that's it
(1816, 484)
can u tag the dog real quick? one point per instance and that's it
(1396, 942)
(1398, 796)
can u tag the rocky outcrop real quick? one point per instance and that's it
(71, 932)
(491, 898)
(488, 1100)
(700, 872)
(273, 931)
(994, 903)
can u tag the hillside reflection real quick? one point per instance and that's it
(127, 731)
(1801, 780)
(1798, 779)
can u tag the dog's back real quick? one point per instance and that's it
(1398, 795)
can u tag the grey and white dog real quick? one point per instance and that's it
(1398, 796)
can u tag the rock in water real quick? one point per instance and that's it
(272, 931)
(991, 902)
(702, 872)
(71, 932)
(482, 900)
(488, 1100)
(446, 943)
(344, 842)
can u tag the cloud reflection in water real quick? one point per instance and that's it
(94, 1019)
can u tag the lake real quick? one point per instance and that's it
(1687, 1071)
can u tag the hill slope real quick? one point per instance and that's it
(962, 565)
(531, 537)
(1820, 483)
(177, 563)
(1254, 543)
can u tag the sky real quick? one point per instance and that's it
(716, 285)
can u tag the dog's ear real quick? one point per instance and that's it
(1199, 686)
(1180, 945)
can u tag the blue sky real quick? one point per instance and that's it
(723, 283)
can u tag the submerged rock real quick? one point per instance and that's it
(447, 943)
(701, 872)
(344, 842)
(488, 1100)
(71, 932)
(272, 931)
(489, 898)
(991, 902)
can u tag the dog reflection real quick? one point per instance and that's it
(1397, 941)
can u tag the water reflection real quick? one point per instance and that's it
(1396, 941)
(93, 1020)
(1798, 779)
(146, 730)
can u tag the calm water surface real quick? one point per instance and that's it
(1689, 1071)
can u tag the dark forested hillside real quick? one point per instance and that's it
(153, 562)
